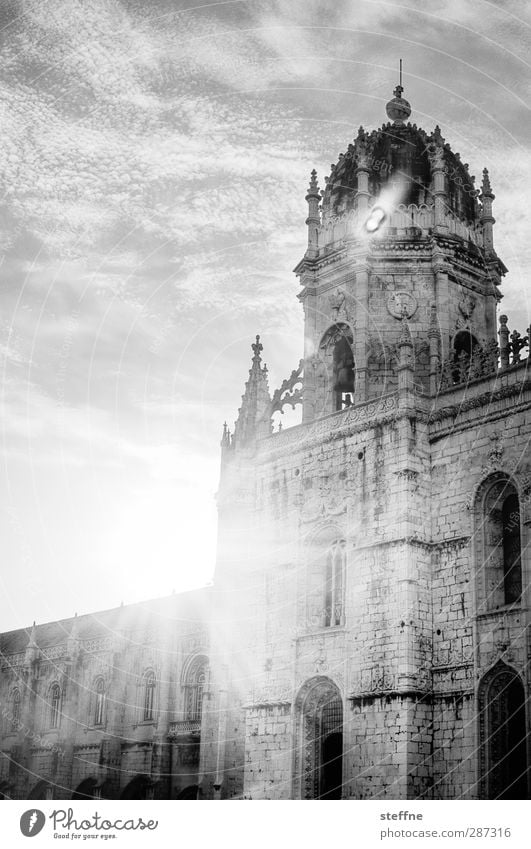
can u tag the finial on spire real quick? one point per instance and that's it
(398, 109)
(399, 88)
(486, 189)
(32, 643)
(225, 437)
(313, 188)
(257, 347)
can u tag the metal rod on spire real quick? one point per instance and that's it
(401, 72)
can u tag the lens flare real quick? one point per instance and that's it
(375, 219)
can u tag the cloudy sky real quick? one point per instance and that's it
(154, 161)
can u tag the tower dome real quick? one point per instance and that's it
(400, 152)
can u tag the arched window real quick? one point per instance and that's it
(334, 584)
(194, 689)
(15, 709)
(499, 546)
(343, 371)
(319, 754)
(325, 581)
(512, 568)
(99, 701)
(503, 735)
(149, 685)
(55, 705)
(336, 350)
(464, 347)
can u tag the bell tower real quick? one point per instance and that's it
(399, 233)
(365, 569)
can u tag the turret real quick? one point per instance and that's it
(73, 643)
(401, 235)
(486, 197)
(313, 221)
(32, 649)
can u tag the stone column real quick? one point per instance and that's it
(438, 169)
(503, 334)
(442, 298)
(434, 341)
(361, 295)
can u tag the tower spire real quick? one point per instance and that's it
(252, 418)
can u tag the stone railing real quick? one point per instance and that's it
(316, 429)
(512, 344)
(11, 660)
(345, 224)
(184, 727)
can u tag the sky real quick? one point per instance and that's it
(154, 162)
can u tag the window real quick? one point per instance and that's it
(512, 570)
(343, 372)
(15, 709)
(336, 352)
(499, 546)
(325, 582)
(99, 703)
(55, 705)
(194, 689)
(334, 580)
(465, 347)
(149, 695)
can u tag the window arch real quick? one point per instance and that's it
(149, 684)
(55, 705)
(319, 754)
(194, 689)
(99, 701)
(16, 701)
(499, 545)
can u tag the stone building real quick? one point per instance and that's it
(106, 705)
(367, 635)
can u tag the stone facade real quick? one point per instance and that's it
(368, 634)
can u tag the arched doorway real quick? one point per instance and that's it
(90, 789)
(319, 766)
(138, 788)
(188, 792)
(42, 790)
(503, 753)
(85, 790)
